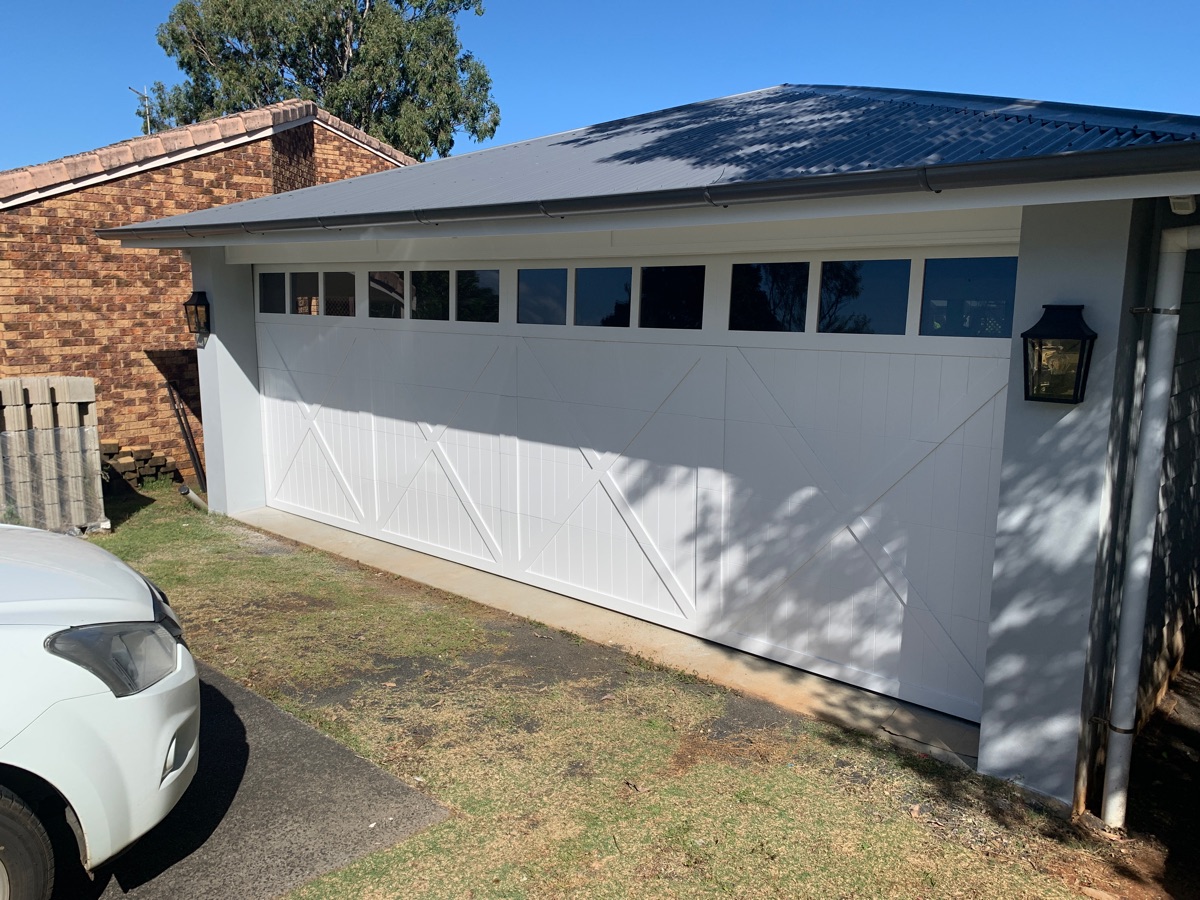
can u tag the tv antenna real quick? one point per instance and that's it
(145, 98)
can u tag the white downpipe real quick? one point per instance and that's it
(1143, 516)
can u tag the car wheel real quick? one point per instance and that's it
(26, 860)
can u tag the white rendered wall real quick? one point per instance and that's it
(228, 365)
(828, 501)
(1054, 494)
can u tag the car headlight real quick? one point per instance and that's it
(127, 656)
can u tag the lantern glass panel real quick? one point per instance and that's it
(1053, 369)
(196, 312)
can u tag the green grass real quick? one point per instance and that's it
(593, 776)
(278, 617)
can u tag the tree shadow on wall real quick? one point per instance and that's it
(178, 366)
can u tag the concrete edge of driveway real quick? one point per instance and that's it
(275, 803)
(943, 737)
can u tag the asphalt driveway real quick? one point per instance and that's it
(274, 804)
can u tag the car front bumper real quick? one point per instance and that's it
(121, 762)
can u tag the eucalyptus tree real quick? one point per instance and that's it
(394, 68)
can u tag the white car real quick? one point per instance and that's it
(99, 705)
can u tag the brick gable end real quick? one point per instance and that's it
(71, 304)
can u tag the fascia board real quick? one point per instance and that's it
(1074, 191)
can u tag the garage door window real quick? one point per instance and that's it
(672, 297)
(339, 293)
(542, 296)
(768, 297)
(602, 296)
(272, 292)
(868, 296)
(385, 295)
(305, 293)
(431, 295)
(478, 295)
(969, 297)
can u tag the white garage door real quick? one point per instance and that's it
(830, 509)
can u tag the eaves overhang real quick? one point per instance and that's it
(1156, 160)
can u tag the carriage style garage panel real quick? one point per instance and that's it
(819, 482)
(826, 500)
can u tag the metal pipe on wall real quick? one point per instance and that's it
(1143, 517)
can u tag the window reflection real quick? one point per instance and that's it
(672, 297)
(339, 293)
(768, 297)
(385, 295)
(864, 296)
(542, 296)
(431, 295)
(478, 295)
(969, 297)
(271, 292)
(305, 300)
(602, 296)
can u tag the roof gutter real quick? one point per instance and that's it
(1159, 160)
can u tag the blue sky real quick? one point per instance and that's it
(560, 64)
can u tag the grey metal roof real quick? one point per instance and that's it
(791, 141)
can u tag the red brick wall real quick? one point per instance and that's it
(71, 304)
(338, 158)
(292, 163)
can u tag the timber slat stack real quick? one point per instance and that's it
(138, 462)
(50, 454)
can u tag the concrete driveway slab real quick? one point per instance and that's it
(274, 804)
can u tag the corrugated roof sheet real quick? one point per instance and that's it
(780, 134)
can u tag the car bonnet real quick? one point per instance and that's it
(55, 579)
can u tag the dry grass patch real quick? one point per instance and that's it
(284, 619)
(626, 796)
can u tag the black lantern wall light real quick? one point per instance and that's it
(198, 312)
(1058, 354)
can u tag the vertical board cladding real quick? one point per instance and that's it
(1173, 611)
(71, 304)
(831, 509)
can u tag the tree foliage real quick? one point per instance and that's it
(394, 68)
(841, 285)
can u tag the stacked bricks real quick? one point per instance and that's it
(137, 463)
(71, 304)
(50, 454)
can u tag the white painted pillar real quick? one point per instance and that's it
(229, 396)
(1052, 502)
